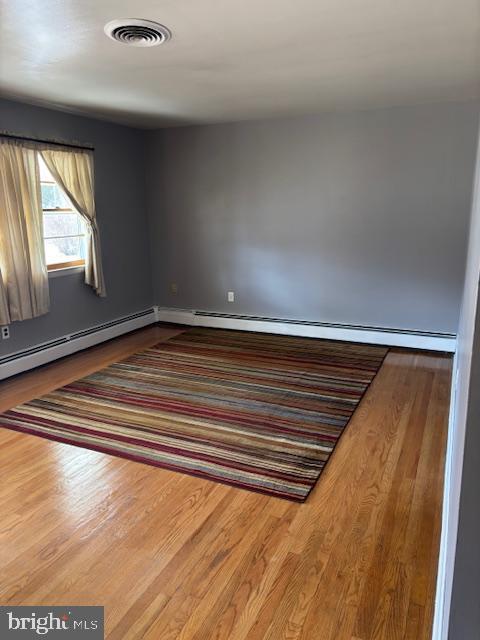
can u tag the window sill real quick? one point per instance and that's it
(66, 271)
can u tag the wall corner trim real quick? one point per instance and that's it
(350, 333)
(446, 552)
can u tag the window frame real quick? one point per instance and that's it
(58, 266)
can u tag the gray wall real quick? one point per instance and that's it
(356, 218)
(465, 605)
(121, 212)
(462, 551)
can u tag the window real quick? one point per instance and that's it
(63, 228)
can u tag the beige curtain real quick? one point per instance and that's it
(23, 273)
(73, 171)
(4, 312)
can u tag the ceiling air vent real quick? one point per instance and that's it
(137, 33)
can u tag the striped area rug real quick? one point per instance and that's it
(255, 411)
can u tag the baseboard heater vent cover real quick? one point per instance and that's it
(309, 323)
(53, 349)
(410, 338)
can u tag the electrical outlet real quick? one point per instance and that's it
(231, 296)
(5, 333)
(174, 287)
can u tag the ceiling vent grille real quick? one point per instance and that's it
(137, 33)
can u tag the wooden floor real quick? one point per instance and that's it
(171, 556)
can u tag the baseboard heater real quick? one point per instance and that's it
(59, 347)
(411, 338)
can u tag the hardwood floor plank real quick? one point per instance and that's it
(391, 538)
(227, 598)
(257, 628)
(176, 557)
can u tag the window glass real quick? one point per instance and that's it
(63, 227)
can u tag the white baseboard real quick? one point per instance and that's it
(65, 345)
(348, 333)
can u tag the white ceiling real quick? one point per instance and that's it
(240, 59)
